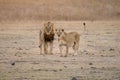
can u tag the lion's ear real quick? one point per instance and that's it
(62, 30)
(45, 24)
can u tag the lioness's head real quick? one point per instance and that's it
(48, 28)
(59, 32)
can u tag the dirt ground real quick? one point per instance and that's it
(98, 59)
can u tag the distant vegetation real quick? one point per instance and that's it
(16, 10)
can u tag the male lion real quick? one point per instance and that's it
(46, 37)
(68, 40)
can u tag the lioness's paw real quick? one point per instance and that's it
(61, 55)
(75, 54)
(65, 56)
(51, 53)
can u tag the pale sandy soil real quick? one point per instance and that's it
(98, 59)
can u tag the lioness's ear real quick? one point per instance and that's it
(49, 22)
(55, 29)
(52, 24)
(62, 30)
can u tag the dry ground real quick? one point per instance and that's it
(98, 59)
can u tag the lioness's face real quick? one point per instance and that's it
(48, 28)
(59, 32)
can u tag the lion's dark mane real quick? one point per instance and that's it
(49, 38)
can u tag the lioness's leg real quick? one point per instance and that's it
(60, 48)
(51, 47)
(77, 44)
(76, 47)
(67, 49)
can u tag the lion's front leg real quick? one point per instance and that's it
(40, 42)
(51, 48)
(45, 48)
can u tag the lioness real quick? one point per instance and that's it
(46, 37)
(68, 40)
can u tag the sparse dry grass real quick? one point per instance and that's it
(59, 10)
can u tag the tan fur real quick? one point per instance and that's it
(46, 37)
(68, 40)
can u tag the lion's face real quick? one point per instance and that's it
(48, 28)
